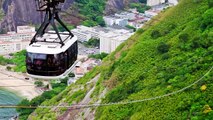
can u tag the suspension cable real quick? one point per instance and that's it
(80, 106)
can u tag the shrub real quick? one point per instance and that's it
(65, 80)
(169, 29)
(165, 56)
(11, 54)
(24, 113)
(196, 42)
(197, 1)
(93, 42)
(210, 3)
(99, 56)
(39, 83)
(155, 34)
(184, 37)
(163, 47)
(71, 74)
(131, 27)
(8, 68)
(207, 21)
(140, 30)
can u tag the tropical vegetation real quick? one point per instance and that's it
(171, 55)
(17, 59)
(141, 8)
(93, 42)
(57, 87)
(92, 10)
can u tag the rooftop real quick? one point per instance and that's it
(51, 46)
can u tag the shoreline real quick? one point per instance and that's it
(15, 82)
(11, 91)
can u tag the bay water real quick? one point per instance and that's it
(8, 98)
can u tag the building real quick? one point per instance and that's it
(136, 24)
(109, 41)
(81, 35)
(82, 68)
(113, 20)
(157, 2)
(126, 15)
(105, 42)
(11, 47)
(79, 72)
(16, 41)
(89, 30)
(25, 29)
(150, 13)
(174, 2)
(154, 2)
(85, 33)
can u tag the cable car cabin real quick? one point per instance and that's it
(50, 60)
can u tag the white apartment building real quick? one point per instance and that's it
(25, 29)
(174, 2)
(109, 41)
(135, 24)
(126, 15)
(116, 41)
(16, 41)
(157, 2)
(16, 36)
(85, 33)
(105, 42)
(150, 13)
(11, 47)
(81, 35)
(110, 21)
(154, 2)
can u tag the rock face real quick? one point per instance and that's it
(19, 12)
(114, 5)
(23, 12)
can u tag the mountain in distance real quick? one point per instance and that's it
(19, 12)
(172, 59)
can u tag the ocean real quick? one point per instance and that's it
(8, 98)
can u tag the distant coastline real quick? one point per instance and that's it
(16, 83)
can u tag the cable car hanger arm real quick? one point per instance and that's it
(51, 14)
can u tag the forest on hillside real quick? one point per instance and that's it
(174, 51)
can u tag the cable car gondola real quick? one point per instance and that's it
(51, 55)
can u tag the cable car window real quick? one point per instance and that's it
(38, 60)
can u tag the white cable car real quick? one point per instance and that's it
(51, 55)
(48, 60)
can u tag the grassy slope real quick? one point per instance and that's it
(140, 71)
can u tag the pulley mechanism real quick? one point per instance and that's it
(51, 9)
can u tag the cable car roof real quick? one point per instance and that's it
(51, 46)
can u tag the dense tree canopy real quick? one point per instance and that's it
(93, 11)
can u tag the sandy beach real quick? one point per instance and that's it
(15, 82)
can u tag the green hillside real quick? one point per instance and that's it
(171, 54)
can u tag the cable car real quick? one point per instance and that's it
(52, 54)
(50, 60)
